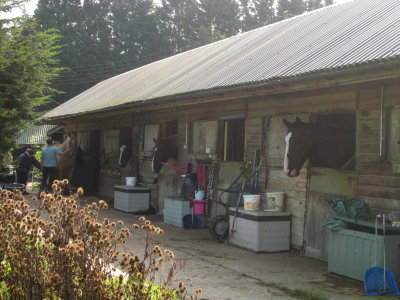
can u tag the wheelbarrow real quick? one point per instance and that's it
(219, 225)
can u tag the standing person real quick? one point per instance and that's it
(24, 163)
(49, 163)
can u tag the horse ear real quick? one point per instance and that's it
(287, 123)
(298, 121)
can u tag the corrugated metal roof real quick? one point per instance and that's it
(331, 38)
(34, 135)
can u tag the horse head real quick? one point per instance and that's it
(299, 146)
(163, 150)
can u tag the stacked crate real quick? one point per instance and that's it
(175, 208)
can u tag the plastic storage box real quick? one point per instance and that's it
(131, 198)
(13, 186)
(260, 231)
(175, 208)
(351, 252)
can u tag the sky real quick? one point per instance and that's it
(31, 6)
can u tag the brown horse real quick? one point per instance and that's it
(164, 149)
(66, 163)
(324, 145)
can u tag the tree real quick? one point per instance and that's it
(265, 11)
(134, 29)
(101, 39)
(297, 7)
(249, 19)
(289, 8)
(27, 66)
(314, 4)
(179, 20)
(221, 16)
(65, 16)
(256, 13)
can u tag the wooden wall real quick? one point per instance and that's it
(274, 109)
(375, 180)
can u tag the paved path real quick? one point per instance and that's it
(228, 272)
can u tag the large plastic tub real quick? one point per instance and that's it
(351, 253)
(175, 208)
(13, 186)
(131, 198)
(260, 231)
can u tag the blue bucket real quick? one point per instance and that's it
(376, 284)
(193, 221)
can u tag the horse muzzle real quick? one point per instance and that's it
(292, 173)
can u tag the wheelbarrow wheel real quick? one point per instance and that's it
(219, 228)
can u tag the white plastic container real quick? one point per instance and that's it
(251, 202)
(131, 181)
(131, 198)
(199, 195)
(275, 201)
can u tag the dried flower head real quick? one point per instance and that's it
(79, 191)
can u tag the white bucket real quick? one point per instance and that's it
(275, 201)
(251, 202)
(130, 181)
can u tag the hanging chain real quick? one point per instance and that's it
(210, 186)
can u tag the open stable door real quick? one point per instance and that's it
(324, 185)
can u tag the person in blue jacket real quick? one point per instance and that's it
(49, 164)
(24, 164)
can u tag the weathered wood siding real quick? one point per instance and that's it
(294, 188)
(324, 185)
(376, 182)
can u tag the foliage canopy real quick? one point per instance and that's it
(105, 38)
(27, 66)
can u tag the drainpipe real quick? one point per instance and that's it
(381, 137)
(186, 131)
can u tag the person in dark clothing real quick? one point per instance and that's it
(24, 164)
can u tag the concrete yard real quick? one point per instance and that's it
(227, 272)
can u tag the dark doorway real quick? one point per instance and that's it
(95, 153)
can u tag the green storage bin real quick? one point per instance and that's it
(352, 252)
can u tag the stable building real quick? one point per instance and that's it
(222, 107)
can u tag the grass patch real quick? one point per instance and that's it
(297, 293)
